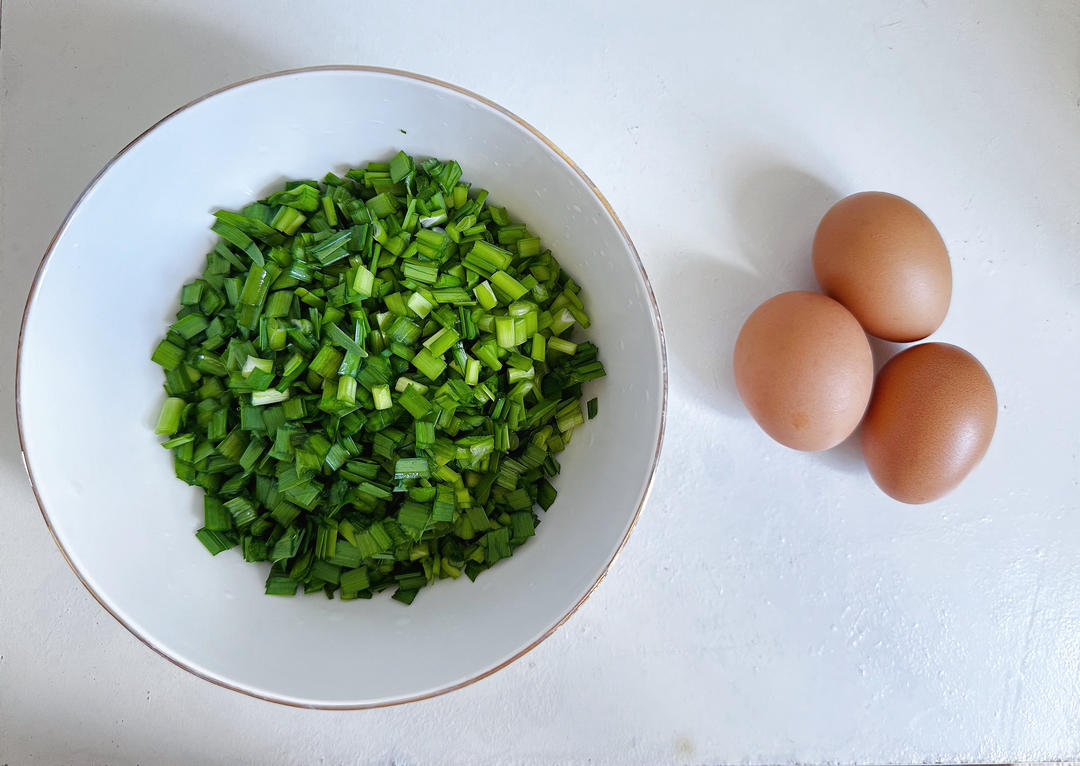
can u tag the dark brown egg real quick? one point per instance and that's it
(881, 257)
(930, 421)
(804, 370)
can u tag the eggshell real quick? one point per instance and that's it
(929, 423)
(804, 369)
(881, 257)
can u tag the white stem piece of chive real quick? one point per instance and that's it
(269, 396)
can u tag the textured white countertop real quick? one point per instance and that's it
(770, 606)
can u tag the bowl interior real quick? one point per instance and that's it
(89, 394)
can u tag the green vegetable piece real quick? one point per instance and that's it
(215, 541)
(168, 421)
(372, 379)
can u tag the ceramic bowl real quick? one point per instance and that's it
(88, 394)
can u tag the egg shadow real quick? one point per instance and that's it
(775, 209)
(847, 455)
(704, 301)
(705, 297)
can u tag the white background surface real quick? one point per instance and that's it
(770, 606)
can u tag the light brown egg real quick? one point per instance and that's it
(930, 420)
(881, 257)
(804, 370)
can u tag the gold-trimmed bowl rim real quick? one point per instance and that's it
(27, 461)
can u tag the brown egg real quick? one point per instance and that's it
(929, 422)
(804, 370)
(880, 256)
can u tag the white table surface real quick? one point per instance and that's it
(770, 606)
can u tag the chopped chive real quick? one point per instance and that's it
(439, 343)
(364, 282)
(178, 441)
(191, 294)
(504, 332)
(242, 241)
(270, 396)
(472, 371)
(250, 225)
(414, 401)
(302, 196)
(420, 272)
(381, 396)
(169, 420)
(486, 258)
(539, 348)
(326, 362)
(331, 250)
(168, 355)
(485, 296)
(419, 305)
(215, 541)
(562, 321)
(361, 381)
(287, 220)
(346, 390)
(411, 468)
(405, 595)
(569, 415)
(488, 353)
(429, 364)
(215, 516)
(507, 284)
(277, 585)
(404, 330)
(425, 434)
(563, 346)
(338, 336)
(404, 383)
(528, 247)
(354, 581)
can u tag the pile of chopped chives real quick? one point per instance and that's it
(371, 381)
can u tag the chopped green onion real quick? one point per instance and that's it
(508, 285)
(485, 296)
(168, 355)
(381, 397)
(441, 342)
(413, 400)
(429, 364)
(168, 421)
(485, 258)
(371, 381)
(242, 241)
(287, 220)
(505, 334)
(562, 346)
(178, 441)
(270, 396)
(215, 541)
(411, 468)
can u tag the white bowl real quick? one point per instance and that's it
(88, 394)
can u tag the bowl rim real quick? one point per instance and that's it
(394, 73)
